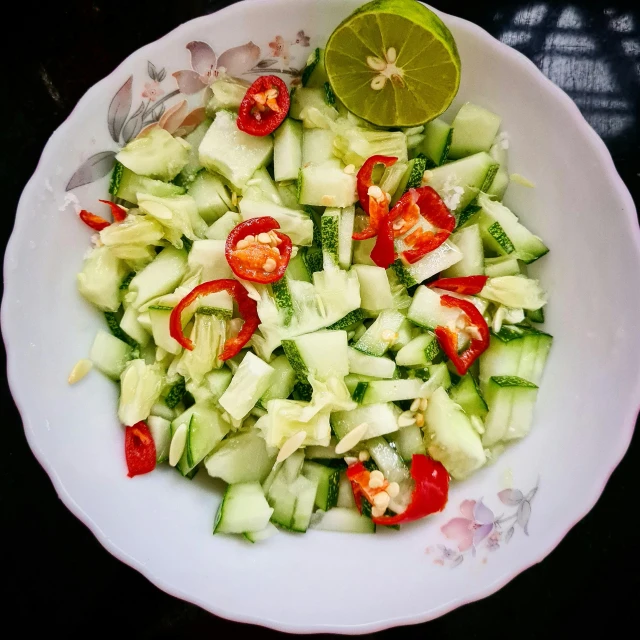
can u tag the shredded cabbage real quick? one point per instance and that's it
(141, 385)
(100, 279)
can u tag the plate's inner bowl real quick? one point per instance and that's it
(161, 523)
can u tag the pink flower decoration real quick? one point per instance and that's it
(152, 90)
(206, 66)
(475, 525)
(302, 39)
(278, 47)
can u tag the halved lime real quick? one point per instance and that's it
(393, 63)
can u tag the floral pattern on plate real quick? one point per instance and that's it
(479, 529)
(286, 56)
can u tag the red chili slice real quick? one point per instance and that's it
(264, 106)
(430, 494)
(432, 209)
(119, 213)
(383, 252)
(377, 213)
(359, 477)
(246, 306)
(365, 179)
(139, 450)
(469, 285)
(91, 220)
(448, 339)
(254, 260)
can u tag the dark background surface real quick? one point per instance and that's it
(56, 574)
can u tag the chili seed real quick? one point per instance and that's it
(269, 265)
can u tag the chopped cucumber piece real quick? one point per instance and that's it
(241, 458)
(511, 400)
(328, 481)
(283, 381)
(317, 147)
(397, 177)
(345, 493)
(221, 228)
(388, 460)
(132, 327)
(450, 437)
(375, 291)
(243, 508)
(160, 429)
(100, 279)
(193, 166)
(406, 333)
(310, 105)
(381, 334)
(527, 246)
(297, 268)
(259, 536)
(326, 185)
(209, 256)
(110, 355)
(249, 382)
(127, 185)
(211, 196)
(323, 354)
(437, 141)
(408, 441)
(157, 154)
(262, 187)
(426, 310)
(381, 418)
(411, 178)
(469, 241)
(287, 150)
(471, 174)
(379, 391)
(232, 153)
(343, 520)
(536, 315)
(474, 129)
(350, 320)
(378, 367)
(161, 332)
(206, 429)
(445, 256)
(314, 74)
(160, 277)
(467, 394)
(218, 381)
(289, 194)
(420, 352)
(362, 251)
(501, 266)
(296, 224)
(305, 490)
(175, 395)
(337, 244)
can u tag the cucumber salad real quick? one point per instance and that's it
(332, 315)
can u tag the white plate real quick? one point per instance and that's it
(161, 524)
